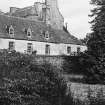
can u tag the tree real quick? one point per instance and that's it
(85, 40)
(96, 43)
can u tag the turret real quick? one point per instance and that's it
(53, 15)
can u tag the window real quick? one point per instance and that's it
(47, 35)
(29, 48)
(7, 28)
(68, 50)
(29, 33)
(11, 46)
(78, 50)
(11, 30)
(47, 49)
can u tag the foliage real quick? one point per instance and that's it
(96, 42)
(85, 40)
(92, 62)
(71, 65)
(25, 82)
(84, 64)
(98, 100)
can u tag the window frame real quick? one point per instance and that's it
(29, 48)
(11, 46)
(47, 35)
(68, 49)
(11, 29)
(47, 49)
(29, 31)
(78, 50)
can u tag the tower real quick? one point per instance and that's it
(51, 3)
(47, 12)
(52, 14)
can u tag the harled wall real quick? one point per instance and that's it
(55, 49)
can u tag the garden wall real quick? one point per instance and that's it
(85, 92)
(56, 61)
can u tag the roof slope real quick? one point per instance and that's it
(19, 24)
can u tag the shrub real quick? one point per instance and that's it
(26, 82)
(86, 64)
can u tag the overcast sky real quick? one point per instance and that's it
(75, 13)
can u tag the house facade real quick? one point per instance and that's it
(37, 31)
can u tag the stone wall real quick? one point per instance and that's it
(56, 61)
(85, 91)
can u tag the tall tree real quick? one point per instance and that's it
(96, 43)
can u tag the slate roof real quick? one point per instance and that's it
(19, 24)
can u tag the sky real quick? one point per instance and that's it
(75, 13)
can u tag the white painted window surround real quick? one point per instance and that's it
(29, 48)
(29, 33)
(47, 49)
(11, 45)
(47, 35)
(78, 49)
(11, 31)
(42, 48)
(68, 49)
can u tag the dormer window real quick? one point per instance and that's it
(47, 35)
(29, 33)
(11, 31)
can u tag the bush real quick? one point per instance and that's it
(26, 82)
(78, 64)
(86, 64)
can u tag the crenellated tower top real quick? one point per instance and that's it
(51, 2)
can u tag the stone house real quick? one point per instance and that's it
(37, 29)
